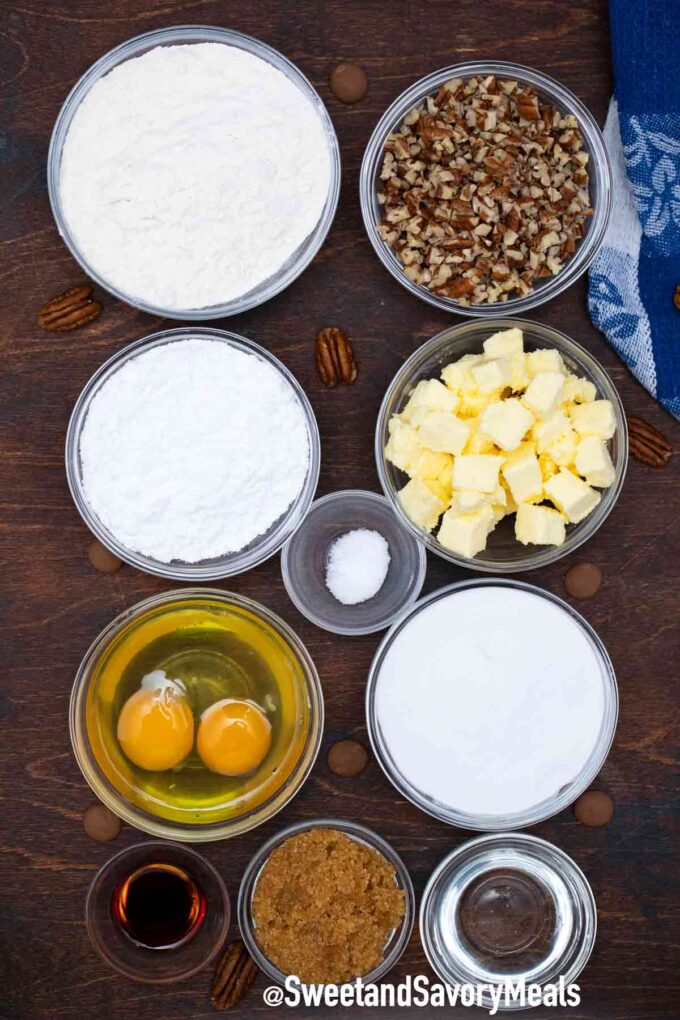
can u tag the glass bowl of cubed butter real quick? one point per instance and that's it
(502, 445)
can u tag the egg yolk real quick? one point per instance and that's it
(233, 737)
(156, 728)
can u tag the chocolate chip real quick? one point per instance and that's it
(100, 823)
(594, 808)
(583, 580)
(347, 758)
(101, 559)
(348, 83)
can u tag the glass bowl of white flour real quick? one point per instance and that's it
(193, 454)
(193, 172)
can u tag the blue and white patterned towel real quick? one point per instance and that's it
(635, 274)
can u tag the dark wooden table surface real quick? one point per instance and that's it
(53, 603)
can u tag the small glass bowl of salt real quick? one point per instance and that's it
(352, 568)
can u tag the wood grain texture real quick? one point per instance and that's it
(53, 603)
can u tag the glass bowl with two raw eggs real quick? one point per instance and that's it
(196, 715)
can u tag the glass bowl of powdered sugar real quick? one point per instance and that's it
(193, 172)
(193, 454)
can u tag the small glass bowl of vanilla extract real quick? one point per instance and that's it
(157, 912)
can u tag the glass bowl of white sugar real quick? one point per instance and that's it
(193, 454)
(491, 704)
(351, 568)
(193, 172)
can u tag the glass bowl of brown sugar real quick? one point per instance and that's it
(311, 878)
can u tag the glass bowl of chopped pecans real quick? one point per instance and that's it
(486, 186)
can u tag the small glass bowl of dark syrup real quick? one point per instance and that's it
(157, 912)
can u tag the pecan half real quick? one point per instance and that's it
(335, 359)
(70, 310)
(676, 297)
(647, 444)
(234, 974)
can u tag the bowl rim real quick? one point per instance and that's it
(165, 828)
(357, 831)
(162, 846)
(581, 532)
(263, 546)
(545, 850)
(307, 610)
(495, 824)
(560, 96)
(189, 34)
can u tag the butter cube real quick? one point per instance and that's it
(445, 483)
(581, 391)
(594, 463)
(443, 432)
(442, 489)
(519, 379)
(473, 402)
(477, 441)
(539, 525)
(502, 504)
(510, 505)
(545, 360)
(571, 495)
(522, 472)
(457, 377)
(466, 534)
(594, 419)
(543, 393)
(416, 416)
(492, 375)
(464, 501)
(551, 428)
(506, 422)
(563, 450)
(476, 471)
(430, 464)
(505, 343)
(421, 504)
(500, 497)
(432, 394)
(403, 444)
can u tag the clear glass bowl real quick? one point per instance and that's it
(539, 812)
(503, 554)
(134, 805)
(179, 35)
(547, 868)
(167, 965)
(304, 559)
(397, 941)
(262, 547)
(600, 183)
